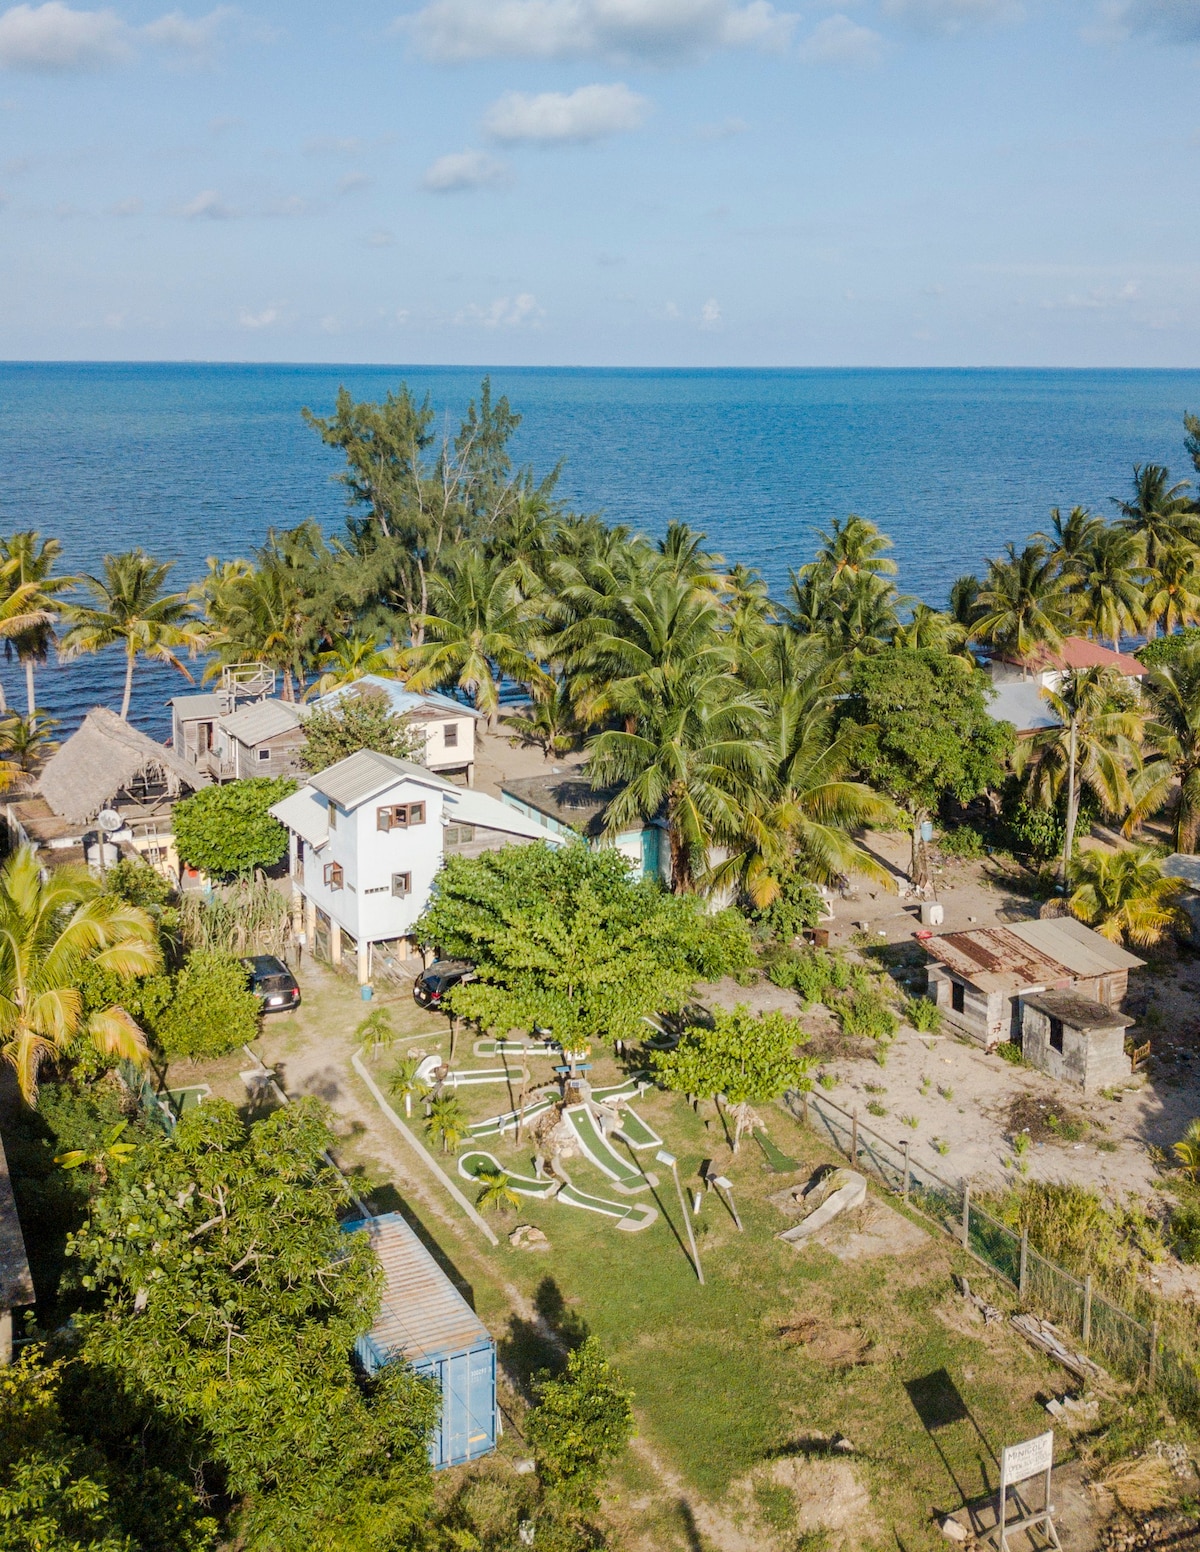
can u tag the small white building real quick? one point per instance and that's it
(368, 836)
(446, 726)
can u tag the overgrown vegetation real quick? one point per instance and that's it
(226, 831)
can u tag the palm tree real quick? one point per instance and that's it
(351, 657)
(403, 1082)
(852, 547)
(930, 629)
(28, 740)
(1105, 585)
(1070, 537)
(32, 560)
(1094, 746)
(690, 751)
(446, 1121)
(1172, 692)
(131, 610)
(376, 1030)
(257, 614)
(496, 1194)
(483, 628)
(1187, 1150)
(549, 720)
(1023, 603)
(51, 929)
(1125, 896)
(1159, 514)
(1172, 595)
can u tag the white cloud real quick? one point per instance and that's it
(263, 320)
(207, 205)
(724, 129)
(128, 207)
(352, 181)
(954, 15)
(839, 41)
(333, 145)
(661, 31)
(504, 313)
(710, 314)
(588, 113)
(1175, 21)
(53, 37)
(464, 170)
(381, 238)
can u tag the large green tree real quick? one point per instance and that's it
(748, 1057)
(919, 731)
(563, 939)
(232, 1300)
(362, 718)
(226, 831)
(580, 1424)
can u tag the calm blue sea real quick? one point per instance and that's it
(197, 460)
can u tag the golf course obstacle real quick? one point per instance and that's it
(496, 1126)
(516, 1048)
(630, 1216)
(464, 1077)
(596, 1148)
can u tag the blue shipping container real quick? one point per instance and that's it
(425, 1322)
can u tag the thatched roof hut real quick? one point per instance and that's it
(106, 757)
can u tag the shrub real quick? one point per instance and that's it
(137, 883)
(582, 1422)
(226, 831)
(1009, 1051)
(864, 1015)
(797, 907)
(212, 1012)
(962, 842)
(1185, 1232)
(924, 1016)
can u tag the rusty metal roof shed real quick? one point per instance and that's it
(1082, 951)
(1042, 954)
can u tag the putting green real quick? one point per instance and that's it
(495, 1125)
(470, 1165)
(599, 1151)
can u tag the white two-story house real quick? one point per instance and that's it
(368, 836)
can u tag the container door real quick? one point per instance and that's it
(482, 1435)
(456, 1408)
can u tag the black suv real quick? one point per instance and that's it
(432, 984)
(272, 983)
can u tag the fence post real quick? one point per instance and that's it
(905, 1146)
(1087, 1311)
(1024, 1265)
(854, 1137)
(1152, 1377)
(966, 1223)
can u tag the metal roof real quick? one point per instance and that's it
(1079, 1012)
(304, 814)
(1083, 951)
(423, 1315)
(260, 720)
(1022, 703)
(469, 806)
(1185, 866)
(367, 773)
(198, 708)
(995, 959)
(404, 701)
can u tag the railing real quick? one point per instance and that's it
(1113, 1335)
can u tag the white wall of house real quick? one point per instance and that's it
(449, 740)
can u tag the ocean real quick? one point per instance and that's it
(191, 460)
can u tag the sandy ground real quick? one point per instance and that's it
(502, 754)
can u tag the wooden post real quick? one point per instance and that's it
(1087, 1311)
(1024, 1266)
(966, 1218)
(907, 1177)
(335, 943)
(1152, 1377)
(854, 1137)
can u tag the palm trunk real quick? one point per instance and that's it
(30, 695)
(1072, 803)
(919, 865)
(130, 659)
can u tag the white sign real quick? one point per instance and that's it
(1022, 1461)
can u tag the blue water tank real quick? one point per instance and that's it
(425, 1322)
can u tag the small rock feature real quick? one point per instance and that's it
(526, 1236)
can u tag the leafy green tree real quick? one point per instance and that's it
(51, 930)
(361, 719)
(747, 1057)
(563, 939)
(226, 830)
(130, 609)
(920, 732)
(212, 1010)
(1125, 896)
(581, 1423)
(137, 883)
(232, 1300)
(61, 1492)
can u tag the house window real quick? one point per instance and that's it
(398, 816)
(958, 996)
(458, 835)
(332, 815)
(264, 754)
(450, 735)
(1056, 1034)
(401, 884)
(334, 876)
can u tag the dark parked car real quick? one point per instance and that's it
(432, 984)
(272, 983)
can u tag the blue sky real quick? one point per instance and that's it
(607, 182)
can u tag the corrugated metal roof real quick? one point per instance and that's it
(470, 806)
(404, 701)
(423, 1315)
(1083, 951)
(1022, 703)
(304, 813)
(261, 719)
(995, 959)
(367, 773)
(198, 708)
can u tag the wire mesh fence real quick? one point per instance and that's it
(1167, 1360)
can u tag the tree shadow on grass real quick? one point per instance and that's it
(531, 1347)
